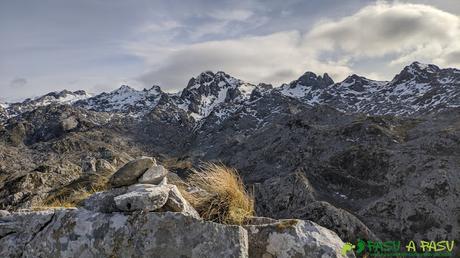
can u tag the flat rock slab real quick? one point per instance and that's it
(146, 199)
(83, 233)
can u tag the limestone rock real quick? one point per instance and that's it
(153, 175)
(142, 198)
(293, 238)
(131, 171)
(83, 233)
(177, 203)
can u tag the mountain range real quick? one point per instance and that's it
(418, 89)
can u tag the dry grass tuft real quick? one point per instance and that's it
(69, 200)
(224, 199)
(75, 192)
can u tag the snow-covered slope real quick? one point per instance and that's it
(209, 90)
(124, 100)
(417, 89)
(58, 97)
(308, 87)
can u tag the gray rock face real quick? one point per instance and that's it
(131, 171)
(346, 225)
(294, 197)
(280, 197)
(153, 175)
(83, 233)
(18, 229)
(142, 198)
(293, 238)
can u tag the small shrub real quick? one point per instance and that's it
(223, 198)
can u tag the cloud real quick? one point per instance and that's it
(409, 31)
(274, 58)
(381, 33)
(18, 83)
(232, 15)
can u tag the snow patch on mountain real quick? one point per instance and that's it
(62, 97)
(209, 90)
(124, 100)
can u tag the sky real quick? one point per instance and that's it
(98, 45)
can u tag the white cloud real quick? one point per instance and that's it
(231, 15)
(18, 82)
(274, 58)
(401, 33)
(161, 26)
(409, 31)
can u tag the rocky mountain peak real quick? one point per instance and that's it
(124, 89)
(431, 68)
(313, 80)
(355, 82)
(154, 88)
(209, 89)
(418, 72)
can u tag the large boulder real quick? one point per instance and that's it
(83, 233)
(131, 171)
(293, 238)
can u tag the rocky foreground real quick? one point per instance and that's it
(144, 216)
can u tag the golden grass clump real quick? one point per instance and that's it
(224, 199)
(68, 200)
